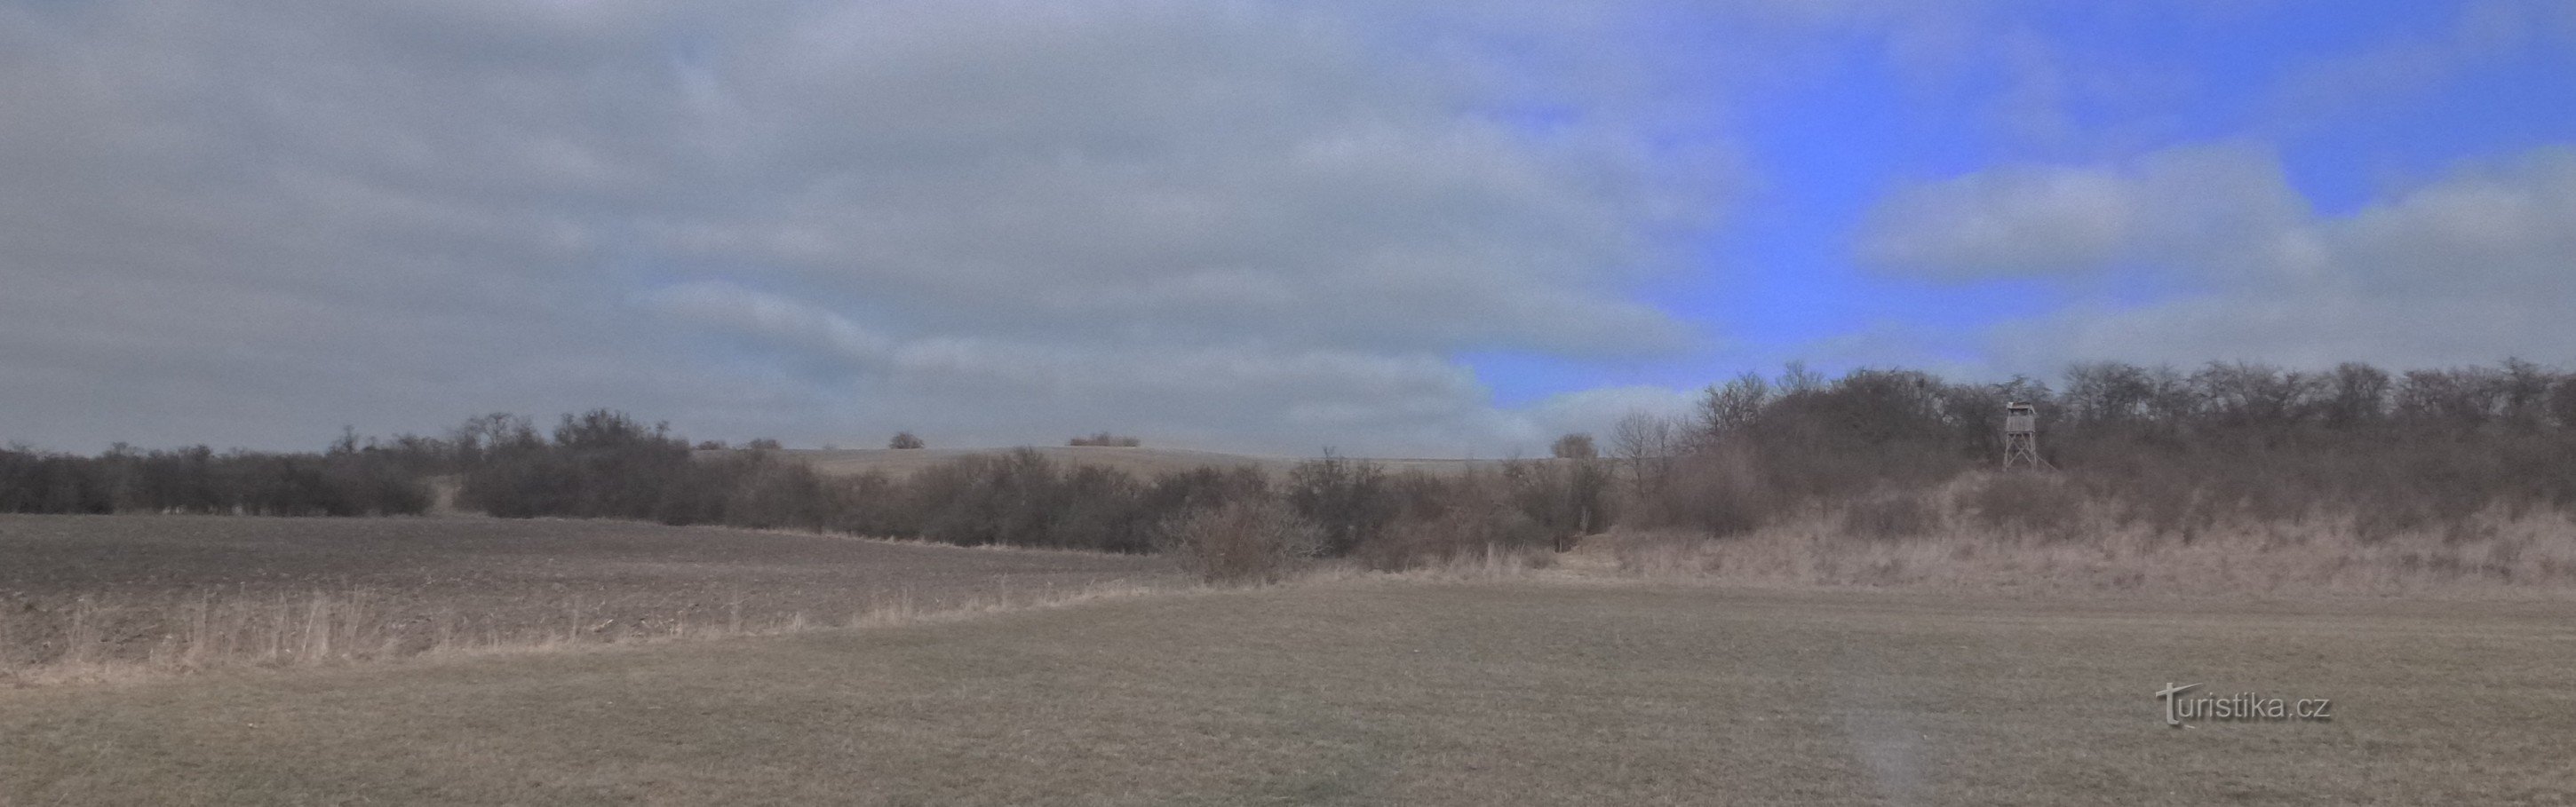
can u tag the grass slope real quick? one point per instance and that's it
(1375, 692)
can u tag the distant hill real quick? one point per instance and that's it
(1144, 462)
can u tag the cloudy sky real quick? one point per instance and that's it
(1392, 227)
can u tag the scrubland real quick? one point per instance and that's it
(1941, 539)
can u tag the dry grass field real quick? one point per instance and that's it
(115, 590)
(1378, 691)
(1145, 462)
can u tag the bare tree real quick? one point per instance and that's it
(1647, 442)
(1574, 446)
(1797, 379)
(1731, 409)
(2524, 388)
(2357, 394)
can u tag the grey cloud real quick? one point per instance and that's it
(1268, 396)
(771, 317)
(1235, 223)
(1229, 141)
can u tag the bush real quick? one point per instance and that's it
(1442, 519)
(1258, 540)
(1891, 516)
(1567, 497)
(601, 464)
(1203, 488)
(2027, 505)
(872, 504)
(1717, 491)
(1348, 499)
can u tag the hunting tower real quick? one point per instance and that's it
(2021, 437)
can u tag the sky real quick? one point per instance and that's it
(1403, 228)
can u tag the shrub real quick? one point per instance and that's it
(1203, 488)
(977, 499)
(871, 504)
(2027, 505)
(1718, 491)
(1891, 516)
(1567, 497)
(1348, 499)
(1099, 509)
(601, 464)
(1443, 519)
(1257, 540)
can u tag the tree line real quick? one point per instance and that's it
(345, 480)
(2179, 451)
(607, 464)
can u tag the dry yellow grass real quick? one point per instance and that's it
(89, 596)
(2525, 559)
(2496, 554)
(338, 629)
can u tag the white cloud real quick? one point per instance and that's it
(2482, 33)
(2469, 269)
(2192, 204)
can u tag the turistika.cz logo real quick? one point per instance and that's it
(2242, 707)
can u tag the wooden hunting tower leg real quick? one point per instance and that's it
(2021, 437)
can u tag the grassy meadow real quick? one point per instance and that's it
(1544, 689)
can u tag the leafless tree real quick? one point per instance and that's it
(1574, 446)
(1729, 410)
(1648, 443)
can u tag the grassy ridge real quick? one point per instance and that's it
(1365, 692)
